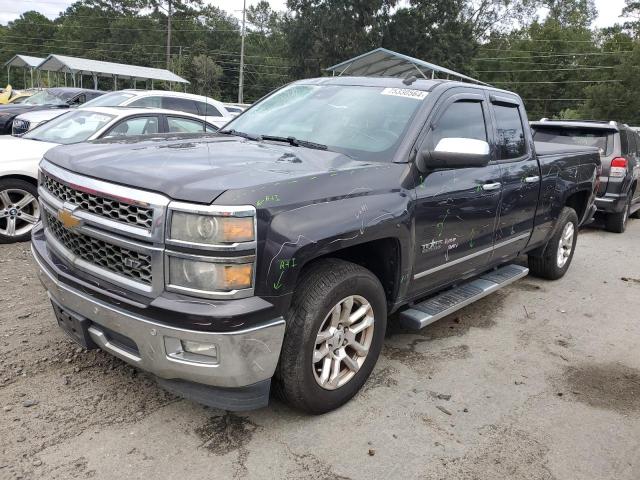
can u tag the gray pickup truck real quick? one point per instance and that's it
(274, 250)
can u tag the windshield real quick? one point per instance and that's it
(44, 98)
(363, 122)
(113, 99)
(73, 127)
(583, 137)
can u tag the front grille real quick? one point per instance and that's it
(20, 127)
(105, 207)
(119, 260)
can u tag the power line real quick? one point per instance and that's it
(556, 55)
(545, 70)
(559, 81)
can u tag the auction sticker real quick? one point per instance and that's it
(405, 92)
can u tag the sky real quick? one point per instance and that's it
(609, 10)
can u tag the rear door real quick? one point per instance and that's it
(456, 209)
(520, 176)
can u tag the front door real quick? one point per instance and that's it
(456, 209)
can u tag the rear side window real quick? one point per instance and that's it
(180, 105)
(510, 140)
(624, 142)
(631, 142)
(208, 110)
(463, 119)
(581, 137)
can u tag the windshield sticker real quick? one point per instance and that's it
(405, 92)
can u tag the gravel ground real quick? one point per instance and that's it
(539, 381)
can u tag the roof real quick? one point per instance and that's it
(129, 111)
(85, 66)
(24, 61)
(386, 63)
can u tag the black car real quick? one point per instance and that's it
(63, 97)
(619, 145)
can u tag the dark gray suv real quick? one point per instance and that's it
(619, 145)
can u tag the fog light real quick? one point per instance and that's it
(208, 349)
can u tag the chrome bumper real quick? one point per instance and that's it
(243, 358)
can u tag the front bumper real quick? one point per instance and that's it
(244, 357)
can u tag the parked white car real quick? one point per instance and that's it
(206, 108)
(19, 208)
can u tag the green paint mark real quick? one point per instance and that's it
(286, 263)
(268, 198)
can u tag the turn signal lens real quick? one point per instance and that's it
(237, 276)
(237, 229)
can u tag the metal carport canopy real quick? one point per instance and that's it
(24, 61)
(85, 66)
(386, 63)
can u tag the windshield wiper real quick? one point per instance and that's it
(240, 134)
(293, 141)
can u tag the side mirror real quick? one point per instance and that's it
(455, 153)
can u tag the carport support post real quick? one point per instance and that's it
(95, 81)
(31, 70)
(115, 82)
(8, 74)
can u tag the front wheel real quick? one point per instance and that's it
(557, 255)
(335, 330)
(19, 210)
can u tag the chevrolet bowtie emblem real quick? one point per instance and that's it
(67, 219)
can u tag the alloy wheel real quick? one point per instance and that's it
(19, 212)
(565, 247)
(343, 342)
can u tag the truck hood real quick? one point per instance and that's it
(197, 168)
(15, 149)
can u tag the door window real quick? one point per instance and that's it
(511, 141)
(462, 119)
(134, 126)
(150, 102)
(184, 125)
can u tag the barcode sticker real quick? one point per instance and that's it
(405, 92)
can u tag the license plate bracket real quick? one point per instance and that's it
(75, 326)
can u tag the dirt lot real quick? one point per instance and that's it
(539, 381)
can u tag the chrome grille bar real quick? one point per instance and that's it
(112, 207)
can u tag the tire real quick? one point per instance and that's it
(17, 220)
(324, 286)
(549, 265)
(617, 222)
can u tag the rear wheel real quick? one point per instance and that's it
(617, 222)
(556, 258)
(19, 210)
(335, 329)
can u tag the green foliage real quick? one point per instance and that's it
(552, 57)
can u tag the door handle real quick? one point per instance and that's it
(491, 186)
(534, 179)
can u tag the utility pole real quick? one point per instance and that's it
(241, 82)
(169, 36)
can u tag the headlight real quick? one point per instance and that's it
(208, 275)
(209, 229)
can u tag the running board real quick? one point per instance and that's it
(422, 314)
